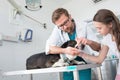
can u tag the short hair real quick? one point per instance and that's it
(57, 14)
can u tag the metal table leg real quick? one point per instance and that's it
(76, 76)
(99, 73)
(31, 76)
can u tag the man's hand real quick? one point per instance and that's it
(82, 40)
(94, 45)
(71, 51)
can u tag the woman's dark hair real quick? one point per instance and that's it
(106, 17)
(57, 14)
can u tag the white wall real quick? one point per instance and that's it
(13, 55)
(85, 9)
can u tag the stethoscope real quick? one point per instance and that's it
(63, 56)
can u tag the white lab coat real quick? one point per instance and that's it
(58, 37)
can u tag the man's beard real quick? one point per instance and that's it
(70, 29)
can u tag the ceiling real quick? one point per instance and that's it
(61, 2)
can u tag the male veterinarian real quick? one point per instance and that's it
(67, 28)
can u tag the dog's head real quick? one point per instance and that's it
(69, 59)
(70, 43)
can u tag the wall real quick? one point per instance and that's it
(86, 9)
(13, 55)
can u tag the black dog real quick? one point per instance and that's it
(41, 60)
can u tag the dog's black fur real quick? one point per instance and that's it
(41, 60)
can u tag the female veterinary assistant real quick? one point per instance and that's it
(107, 25)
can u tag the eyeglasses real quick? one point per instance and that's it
(64, 24)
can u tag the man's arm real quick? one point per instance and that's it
(55, 50)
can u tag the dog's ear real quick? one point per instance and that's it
(72, 43)
(65, 45)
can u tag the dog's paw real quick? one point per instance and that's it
(78, 62)
(81, 62)
(60, 63)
